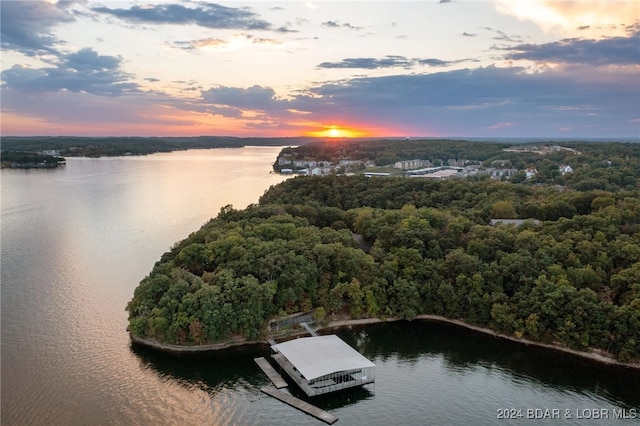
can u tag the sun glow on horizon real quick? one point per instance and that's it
(338, 132)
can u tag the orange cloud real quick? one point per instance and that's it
(577, 18)
(208, 42)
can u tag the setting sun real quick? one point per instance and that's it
(335, 132)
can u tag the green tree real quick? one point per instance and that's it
(503, 210)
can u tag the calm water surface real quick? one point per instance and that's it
(76, 242)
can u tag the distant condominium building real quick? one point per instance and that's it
(412, 164)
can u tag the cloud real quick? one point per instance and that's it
(27, 26)
(466, 34)
(299, 22)
(134, 113)
(501, 101)
(255, 97)
(261, 40)
(483, 101)
(337, 24)
(88, 60)
(222, 111)
(352, 27)
(208, 15)
(608, 51)
(433, 62)
(596, 17)
(208, 42)
(200, 43)
(331, 24)
(82, 71)
(470, 101)
(502, 36)
(217, 42)
(465, 87)
(390, 61)
(370, 63)
(254, 107)
(285, 30)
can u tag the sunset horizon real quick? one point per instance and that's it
(496, 69)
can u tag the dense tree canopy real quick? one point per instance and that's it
(399, 247)
(384, 152)
(29, 159)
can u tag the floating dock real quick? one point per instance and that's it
(300, 405)
(271, 373)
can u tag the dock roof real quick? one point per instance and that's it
(322, 355)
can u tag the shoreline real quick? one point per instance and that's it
(594, 355)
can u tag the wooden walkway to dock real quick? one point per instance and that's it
(271, 373)
(300, 405)
(309, 329)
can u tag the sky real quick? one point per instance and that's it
(431, 68)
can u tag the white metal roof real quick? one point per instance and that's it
(321, 355)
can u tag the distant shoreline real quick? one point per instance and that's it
(596, 355)
(95, 147)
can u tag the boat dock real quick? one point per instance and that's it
(271, 373)
(300, 405)
(279, 383)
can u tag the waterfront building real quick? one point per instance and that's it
(323, 364)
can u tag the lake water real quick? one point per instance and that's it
(75, 243)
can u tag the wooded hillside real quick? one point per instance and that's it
(572, 278)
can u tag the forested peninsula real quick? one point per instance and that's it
(29, 160)
(567, 273)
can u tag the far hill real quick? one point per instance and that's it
(71, 146)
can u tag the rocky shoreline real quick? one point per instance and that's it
(595, 355)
